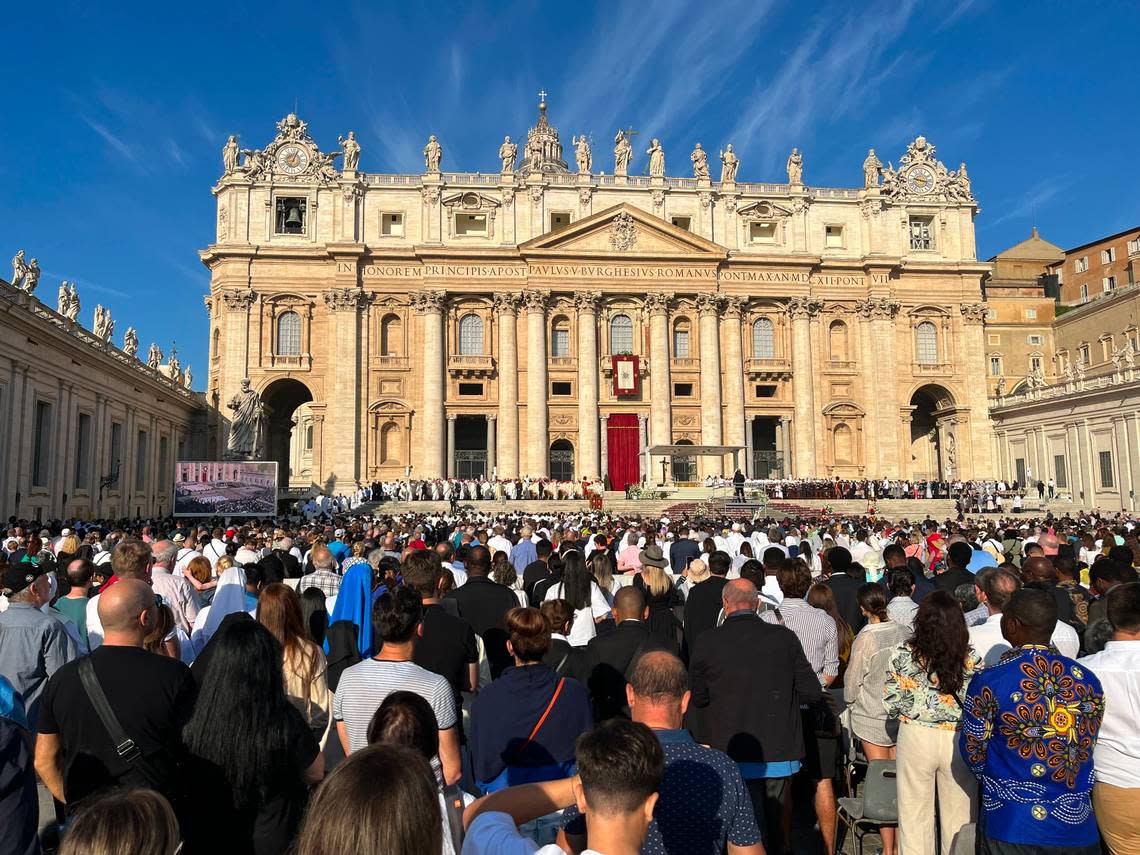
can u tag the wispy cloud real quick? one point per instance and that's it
(835, 71)
(960, 9)
(1032, 201)
(114, 141)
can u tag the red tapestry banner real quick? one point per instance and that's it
(627, 378)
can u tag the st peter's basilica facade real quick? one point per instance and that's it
(560, 320)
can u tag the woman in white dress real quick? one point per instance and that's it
(584, 595)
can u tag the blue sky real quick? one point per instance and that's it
(115, 114)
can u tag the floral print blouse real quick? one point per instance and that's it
(912, 696)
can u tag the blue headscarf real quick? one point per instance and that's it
(12, 705)
(354, 604)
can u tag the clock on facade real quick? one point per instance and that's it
(292, 159)
(920, 180)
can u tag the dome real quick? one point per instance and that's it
(543, 152)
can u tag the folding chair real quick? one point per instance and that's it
(853, 756)
(878, 806)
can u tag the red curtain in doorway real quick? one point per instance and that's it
(623, 447)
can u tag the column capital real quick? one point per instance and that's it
(709, 304)
(535, 301)
(586, 302)
(425, 302)
(657, 302)
(877, 308)
(642, 419)
(238, 299)
(604, 417)
(507, 302)
(491, 417)
(345, 299)
(733, 306)
(973, 313)
(451, 417)
(804, 307)
(785, 420)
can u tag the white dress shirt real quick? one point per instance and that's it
(990, 644)
(1116, 757)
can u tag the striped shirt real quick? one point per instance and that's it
(364, 686)
(816, 631)
(327, 582)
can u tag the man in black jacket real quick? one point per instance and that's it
(484, 604)
(611, 656)
(683, 550)
(957, 558)
(749, 678)
(846, 580)
(703, 604)
(538, 569)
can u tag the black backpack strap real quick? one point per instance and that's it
(124, 746)
(453, 802)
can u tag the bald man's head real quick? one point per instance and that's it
(1038, 569)
(629, 604)
(121, 608)
(739, 594)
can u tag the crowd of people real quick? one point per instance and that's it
(567, 682)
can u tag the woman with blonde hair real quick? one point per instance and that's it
(306, 672)
(661, 596)
(137, 821)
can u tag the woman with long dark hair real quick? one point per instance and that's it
(925, 688)
(314, 612)
(584, 595)
(252, 755)
(306, 673)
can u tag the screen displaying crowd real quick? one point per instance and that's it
(569, 682)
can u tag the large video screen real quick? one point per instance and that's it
(225, 488)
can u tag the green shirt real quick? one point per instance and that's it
(76, 609)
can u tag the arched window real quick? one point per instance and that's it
(562, 460)
(621, 334)
(844, 451)
(471, 335)
(289, 334)
(837, 341)
(926, 343)
(391, 336)
(217, 343)
(560, 336)
(681, 338)
(763, 339)
(390, 443)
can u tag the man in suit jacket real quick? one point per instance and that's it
(955, 574)
(683, 550)
(704, 602)
(749, 679)
(610, 657)
(484, 604)
(846, 580)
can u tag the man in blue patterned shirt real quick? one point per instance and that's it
(1028, 729)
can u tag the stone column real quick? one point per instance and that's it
(660, 411)
(802, 310)
(787, 466)
(450, 446)
(972, 362)
(878, 356)
(604, 430)
(431, 304)
(586, 302)
(506, 309)
(643, 448)
(708, 308)
(537, 416)
(749, 449)
(342, 463)
(737, 431)
(234, 351)
(492, 463)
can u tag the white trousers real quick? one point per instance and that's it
(928, 764)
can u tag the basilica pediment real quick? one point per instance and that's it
(622, 230)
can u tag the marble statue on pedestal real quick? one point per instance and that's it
(729, 163)
(508, 154)
(245, 437)
(433, 154)
(103, 326)
(188, 378)
(623, 151)
(656, 159)
(131, 342)
(230, 152)
(19, 269)
(72, 312)
(796, 168)
(700, 159)
(582, 154)
(351, 149)
(153, 356)
(872, 169)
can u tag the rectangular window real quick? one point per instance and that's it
(471, 389)
(681, 344)
(682, 390)
(1085, 354)
(921, 233)
(163, 470)
(82, 452)
(1082, 264)
(1060, 473)
(559, 220)
(1030, 314)
(471, 225)
(995, 366)
(1019, 470)
(1107, 256)
(1084, 292)
(291, 213)
(685, 223)
(1036, 364)
(560, 343)
(764, 391)
(1034, 340)
(561, 389)
(1134, 246)
(993, 338)
(140, 462)
(991, 314)
(116, 451)
(762, 232)
(1106, 476)
(1108, 283)
(41, 450)
(392, 224)
(833, 237)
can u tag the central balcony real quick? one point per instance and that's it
(471, 366)
(768, 369)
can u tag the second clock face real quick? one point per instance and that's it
(920, 180)
(292, 159)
